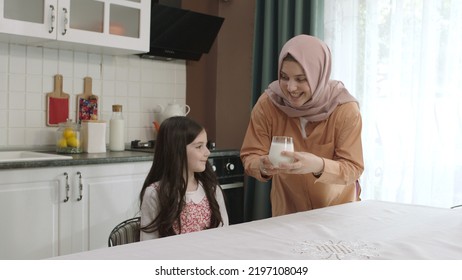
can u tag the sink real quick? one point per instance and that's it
(9, 156)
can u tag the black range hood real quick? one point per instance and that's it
(180, 34)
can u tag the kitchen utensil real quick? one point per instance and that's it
(87, 102)
(173, 109)
(57, 103)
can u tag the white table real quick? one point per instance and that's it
(359, 230)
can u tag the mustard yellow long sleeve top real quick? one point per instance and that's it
(337, 140)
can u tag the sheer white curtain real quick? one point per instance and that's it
(403, 60)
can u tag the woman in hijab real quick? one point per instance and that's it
(325, 123)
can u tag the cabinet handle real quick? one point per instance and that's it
(53, 18)
(80, 186)
(66, 21)
(67, 187)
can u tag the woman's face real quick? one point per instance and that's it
(294, 84)
(198, 153)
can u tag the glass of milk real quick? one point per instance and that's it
(279, 144)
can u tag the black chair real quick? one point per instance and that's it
(126, 232)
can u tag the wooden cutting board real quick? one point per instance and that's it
(57, 103)
(87, 103)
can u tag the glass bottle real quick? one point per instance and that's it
(116, 129)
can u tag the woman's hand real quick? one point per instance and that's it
(267, 169)
(303, 163)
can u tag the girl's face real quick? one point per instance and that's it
(294, 84)
(198, 153)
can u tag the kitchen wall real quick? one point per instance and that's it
(26, 75)
(219, 86)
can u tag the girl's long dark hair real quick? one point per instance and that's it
(169, 164)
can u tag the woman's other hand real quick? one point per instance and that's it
(303, 163)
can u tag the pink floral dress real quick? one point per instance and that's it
(196, 214)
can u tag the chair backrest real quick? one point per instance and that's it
(126, 232)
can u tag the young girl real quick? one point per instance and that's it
(181, 193)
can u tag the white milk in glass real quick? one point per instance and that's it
(279, 144)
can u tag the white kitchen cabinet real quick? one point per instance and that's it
(102, 26)
(110, 195)
(38, 221)
(29, 213)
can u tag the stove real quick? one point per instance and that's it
(228, 167)
(137, 145)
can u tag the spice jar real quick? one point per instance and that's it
(68, 138)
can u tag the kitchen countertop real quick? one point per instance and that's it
(98, 158)
(81, 159)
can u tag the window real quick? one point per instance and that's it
(402, 59)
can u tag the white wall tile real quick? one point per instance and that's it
(68, 84)
(3, 119)
(106, 103)
(16, 137)
(95, 66)
(134, 89)
(40, 137)
(4, 58)
(121, 88)
(163, 76)
(50, 62)
(108, 68)
(133, 120)
(3, 81)
(3, 135)
(179, 95)
(96, 86)
(121, 70)
(17, 59)
(34, 83)
(65, 63)
(80, 64)
(34, 119)
(35, 101)
(17, 100)
(134, 105)
(134, 73)
(78, 85)
(48, 83)
(160, 90)
(16, 119)
(108, 88)
(146, 70)
(17, 82)
(34, 61)
(27, 74)
(3, 100)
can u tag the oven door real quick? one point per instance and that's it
(234, 199)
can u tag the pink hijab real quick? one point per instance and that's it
(315, 58)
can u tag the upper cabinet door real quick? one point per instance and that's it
(31, 20)
(109, 26)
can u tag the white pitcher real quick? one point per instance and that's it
(173, 109)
